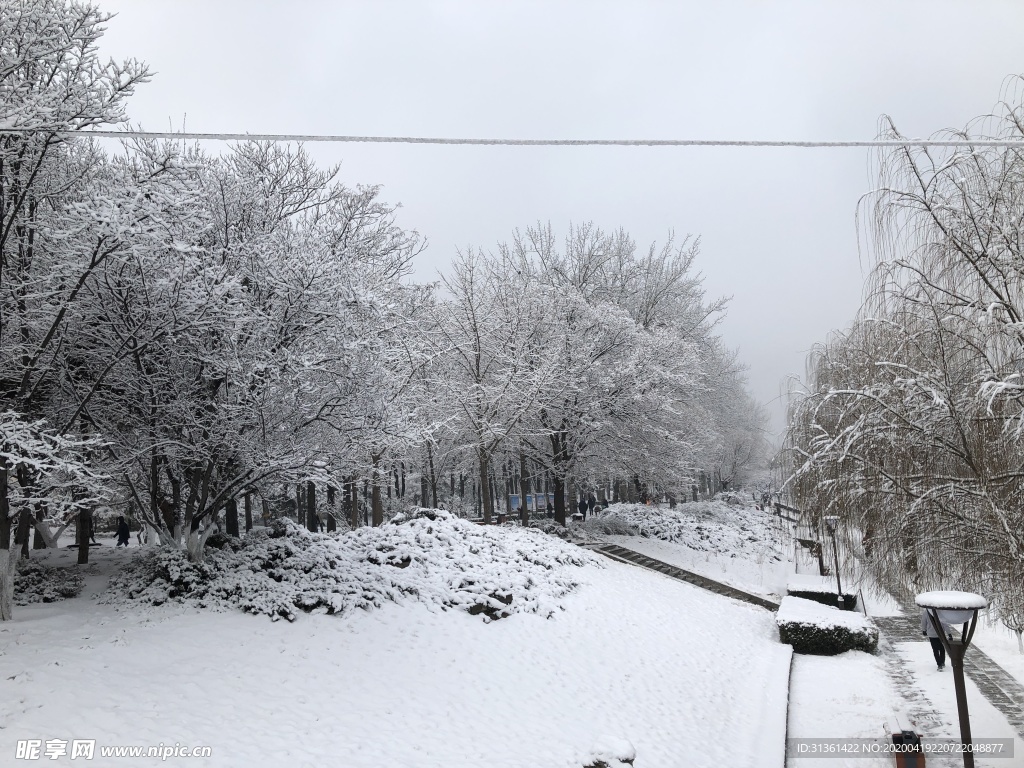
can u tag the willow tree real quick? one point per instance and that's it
(911, 427)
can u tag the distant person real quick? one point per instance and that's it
(551, 511)
(123, 531)
(938, 649)
(582, 507)
(591, 503)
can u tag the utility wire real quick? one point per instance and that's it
(311, 138)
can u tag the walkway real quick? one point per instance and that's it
(1004, 692)
(624, 555)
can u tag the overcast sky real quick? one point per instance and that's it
(777, 225)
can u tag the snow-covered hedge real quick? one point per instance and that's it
(824, 630)
(445, 561)
(38, 583)
(820, 589)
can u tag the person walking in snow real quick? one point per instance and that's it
(582, 507)
(928, 630)
(122, 531)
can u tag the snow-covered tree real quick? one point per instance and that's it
(55, 475)
(910, 426)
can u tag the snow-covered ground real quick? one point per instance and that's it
(848, 696)
(626, 661)
(684, 676)
(839, 697)
(739, 545)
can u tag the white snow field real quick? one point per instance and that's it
(633, 660)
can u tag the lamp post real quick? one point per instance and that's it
(956, 608)
(832, 522)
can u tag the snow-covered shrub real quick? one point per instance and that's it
(611, 753)
(823, 630)
(573, 531)
(708, 526)
(421, 513)
(38, 583)
(219, 540)
(609, 524)
(445, 562)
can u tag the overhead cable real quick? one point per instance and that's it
(329, 138)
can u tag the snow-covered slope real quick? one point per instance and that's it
(738, 545)
(684, 676)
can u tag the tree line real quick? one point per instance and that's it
(182, 332)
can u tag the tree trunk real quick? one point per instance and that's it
(300, 509)
(7, 562)
(38, 542)
(231, 517)
(559, 488)
(24, 532)
(266, 511)
(332, 523)
(377, 502)
(524, 489)
(432, 476)
(248, 511)
(485, 487)
(84, 534)
(312, 518)
(353, 501)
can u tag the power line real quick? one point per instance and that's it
(328, 138)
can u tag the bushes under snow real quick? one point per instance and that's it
(38, 583)
(824, 630)
(715, 526)
(445, 561)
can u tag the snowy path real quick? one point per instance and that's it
(687, 677)
(994, 683)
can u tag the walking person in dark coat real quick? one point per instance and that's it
(938, 649)
(582, 507)
(591, 503)
(122, 531)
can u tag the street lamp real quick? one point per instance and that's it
(832, 522)
(956, 608)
